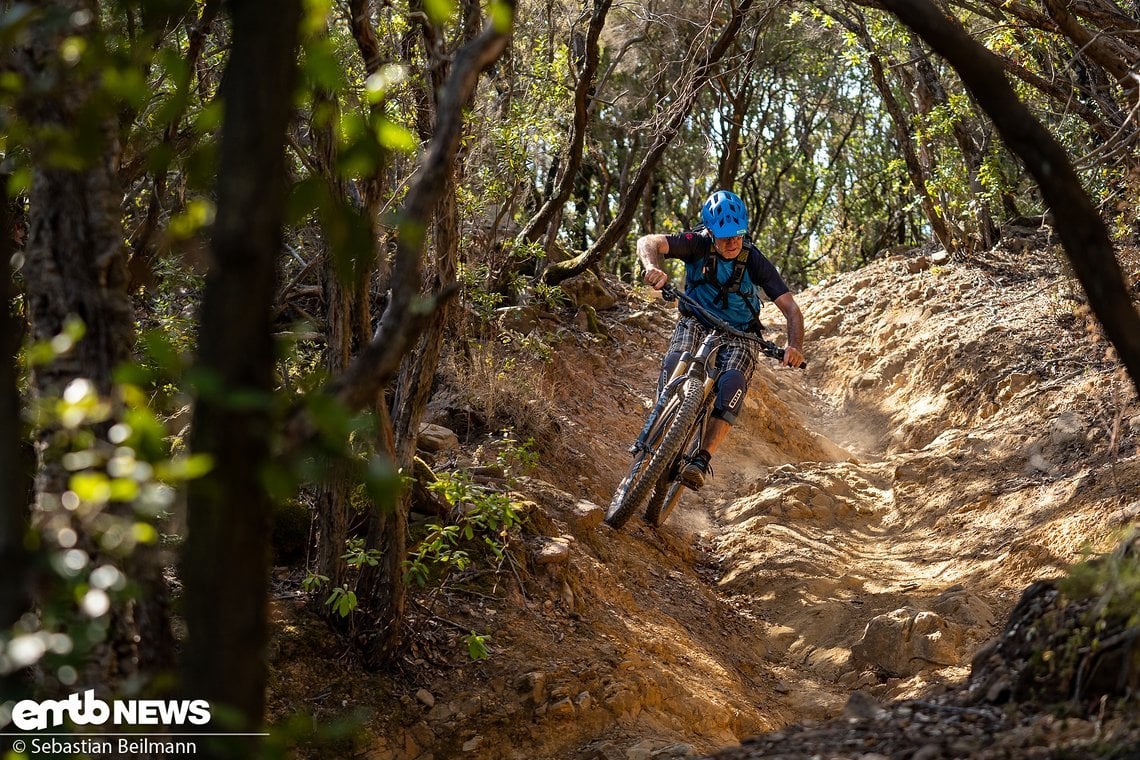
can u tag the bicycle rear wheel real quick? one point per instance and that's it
(666, 495)
(662, 445)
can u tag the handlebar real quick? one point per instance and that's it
(767, 347)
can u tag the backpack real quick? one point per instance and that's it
(732, 284)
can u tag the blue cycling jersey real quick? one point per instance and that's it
(740, 306)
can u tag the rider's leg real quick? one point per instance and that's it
(730, 390)
(715, 431)
(667, 366)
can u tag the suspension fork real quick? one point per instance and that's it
(708, 375)
(685, 367)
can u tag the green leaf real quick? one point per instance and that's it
(396, 137)
(93, 487)
(199, 213)
(305, 197)
(124, 489)
(127, 84)
(144, 533)
(321, 66)
(477, 646)
(439, 11)
(501, 16)
(382, 482)
(184, 468)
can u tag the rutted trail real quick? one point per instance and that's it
(961, 431)
(953, 481)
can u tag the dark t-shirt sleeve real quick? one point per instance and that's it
(765, 274)
(688, 246)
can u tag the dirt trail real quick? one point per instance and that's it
(962, 430)
(939, 459)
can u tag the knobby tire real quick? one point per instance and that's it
(618, 513)
(668, 491)
(665, 497)
(644, 474)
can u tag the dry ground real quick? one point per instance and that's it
(962, 430)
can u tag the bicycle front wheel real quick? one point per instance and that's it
(667, 494)
(662, 445)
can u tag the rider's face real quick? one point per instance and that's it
(730, 247)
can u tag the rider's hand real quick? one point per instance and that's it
(655, 278)
(793, 357)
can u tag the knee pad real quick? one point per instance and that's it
(730, 390)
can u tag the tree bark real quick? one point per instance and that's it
(15, 464)
(407, 314)
(76, 267)
(913, 166)
(340, 297)
(675, 118)
(901, 123)
(933, 95)
(372, 186)
(381, 588)
(571, 160)
(1079, 226)
(226, 555)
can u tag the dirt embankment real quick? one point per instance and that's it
(961, 431)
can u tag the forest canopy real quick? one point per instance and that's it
(241, 237)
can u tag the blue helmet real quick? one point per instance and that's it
(724, 214)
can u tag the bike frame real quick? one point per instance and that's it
(676, 423)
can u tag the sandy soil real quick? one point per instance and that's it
(962, 430)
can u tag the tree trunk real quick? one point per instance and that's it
(913, 166)
(570, 162)
(729, 166)
(347, 318)
(413, 389)
(675, 118)
(1079, 226)
(931, 95)
(76, 268)
(226, 556)
(15, 464)
(371, 186)
(401, 324)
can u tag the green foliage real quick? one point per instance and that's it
(122, 470)
(357, 556)
(475, 281)
(477, 646)
(515, 456)
(484, 523)
(342, 600)
(313, 582)
(1113, 581)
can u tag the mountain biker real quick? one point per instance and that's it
(722, 272)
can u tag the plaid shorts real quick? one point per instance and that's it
(736, 353)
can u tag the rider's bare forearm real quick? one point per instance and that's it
(796, 330)
(649, 251)
(794, 318)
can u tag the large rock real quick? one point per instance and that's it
(907, 641)
(587, 290)
(433, 438)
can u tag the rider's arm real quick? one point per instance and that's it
(794, 353)
(651, 250)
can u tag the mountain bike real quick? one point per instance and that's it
(674, 430)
